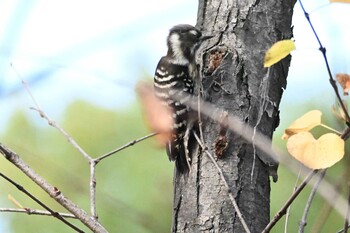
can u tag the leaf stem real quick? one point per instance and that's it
(331, 129)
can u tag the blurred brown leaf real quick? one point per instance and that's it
(157, 116)
(338, 110)
(344, 81)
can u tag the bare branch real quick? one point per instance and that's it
(235, 205)
(55, 193)
(290, 200)
(49, 120)
(53, 213)
(93, 189)
(97, 160)
(327, 207)
(346, 223)
(343, 230)
(72, 142)
(288, 210)
(35, 212)
(63, 132)
(26, 87)
(303, 222)
(92, 162)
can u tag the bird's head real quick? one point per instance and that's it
(182, 42)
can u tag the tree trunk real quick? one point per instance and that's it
(235, 81)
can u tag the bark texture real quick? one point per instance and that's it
(235, 81)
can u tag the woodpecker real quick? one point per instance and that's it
(175, 75)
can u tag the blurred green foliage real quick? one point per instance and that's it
(134, 186)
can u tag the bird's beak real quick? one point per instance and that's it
(202, 38)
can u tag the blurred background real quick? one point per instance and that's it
(82, 59)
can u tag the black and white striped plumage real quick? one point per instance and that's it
(175, 76)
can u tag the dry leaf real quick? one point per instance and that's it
(157, 115)
(278, 51)
(342, 1)
(338, 110)
(316, 154)
(304, 123)
(344, 81)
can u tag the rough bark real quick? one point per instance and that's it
(234, 80)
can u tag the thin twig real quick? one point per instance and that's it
(55, 193)
(35, 212)
(343, 230)
(327, 207)
(303, 222)
(288, 210)
(69, 138)
(235, 205)
(51, 122)
(346, 222)
(331, 79)
(26, 86)
(93, 189)
(53, 213)
(97, 160)
(290, 200)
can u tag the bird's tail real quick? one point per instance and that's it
(181, 150)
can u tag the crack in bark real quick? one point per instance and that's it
(198, 181)
(217, 15)
(176, 213)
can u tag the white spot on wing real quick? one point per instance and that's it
(161, 71)
(164, 79)
(165, 86)
(182, 111)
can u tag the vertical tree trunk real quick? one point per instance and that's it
(235, 81)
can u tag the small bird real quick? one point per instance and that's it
(175, 75)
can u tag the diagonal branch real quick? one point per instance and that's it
(69, 138)
(346, 222)
(131, 143)
(35, 212)
(54, 192)
(288, 210)
(303, 222)
(53, 213)
(290, 200)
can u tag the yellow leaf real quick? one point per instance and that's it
(316, 154)
(278, 51)
(304, 123)
(343, 1)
